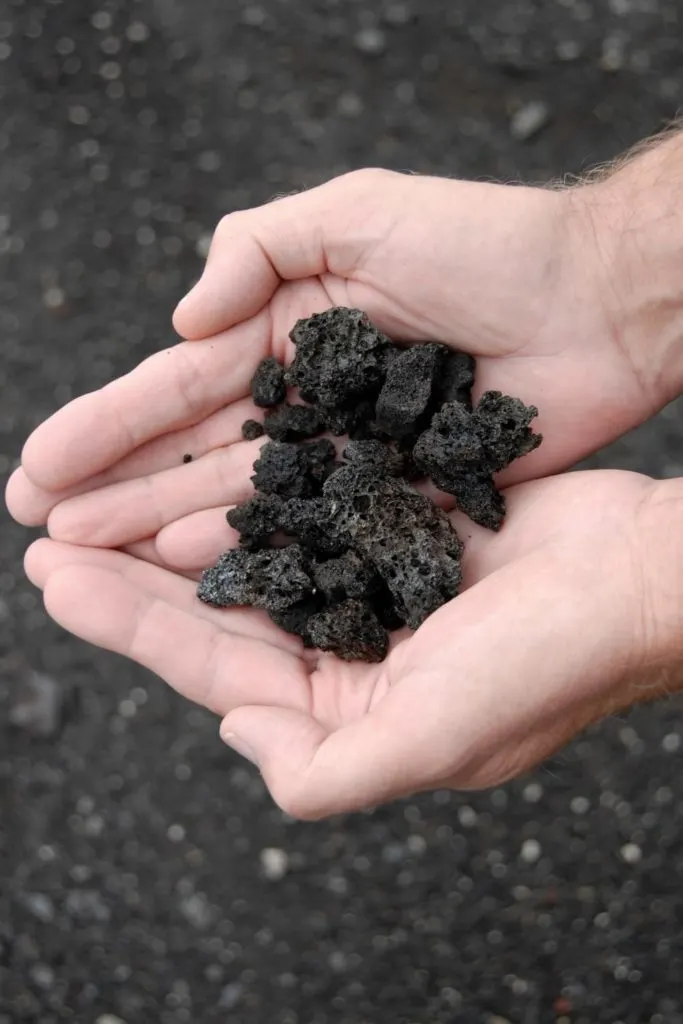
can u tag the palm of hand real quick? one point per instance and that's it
(335, 735)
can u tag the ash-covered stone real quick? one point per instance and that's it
(268, 383)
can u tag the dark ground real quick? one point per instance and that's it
(134, 884)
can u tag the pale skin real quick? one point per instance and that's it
(570, 300)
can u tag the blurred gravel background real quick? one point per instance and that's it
(144, 874)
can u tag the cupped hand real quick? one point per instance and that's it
(510, 274)
(572, 611)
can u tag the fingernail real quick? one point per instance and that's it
(240, 746)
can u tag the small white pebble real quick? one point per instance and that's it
(109, 1018)
(631, 853)
(467, 816)
(274, 863)
(671, 742)
(350, 104)
(176, 833)
(54, 298)
(416, 844)
(370, 40)
(529, 120)
(533, 792)
(530, 851)
(79, 114)
(137, 32)
(203, 245)
(101, 20)
(580, 805)
(128, 708)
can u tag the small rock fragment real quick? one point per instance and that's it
(407, 391)
(402, 533)
(343, 577)
(270, 578)
(257, 519)
(376, 454)
(295, 618)
(293, 422)
(529, 120)
(293, 471)
(350, 630)
(274, 863)
(502, 424)
(340, 358)
(187, 458)
(39, 705)
(308, 520)
(455, 379)
(252, 429)
(231, 996)
(268, 383)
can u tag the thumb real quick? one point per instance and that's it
(254, 250)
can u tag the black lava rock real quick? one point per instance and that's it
(268, 383)
(376, 454)
(407, 392)
(340, 358)
(293, 471)
(502, 424)
(257, 519)
(251, 429)
(350, 630)
(409, 541)
(293, 422)
(346, 576)
(310, 522)
(455, 379)
(461, 450)
(273, 578)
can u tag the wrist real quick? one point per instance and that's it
(629, 240)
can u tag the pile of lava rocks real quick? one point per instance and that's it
(340, 552)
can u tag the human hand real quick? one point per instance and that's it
(511, 274)
(571, 612)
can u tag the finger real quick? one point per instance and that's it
(30, 505)
(45, 557)
(171, 390)
(197, 541)
(483, 671)
(204, 663)
(138, 508)
(146, 551)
